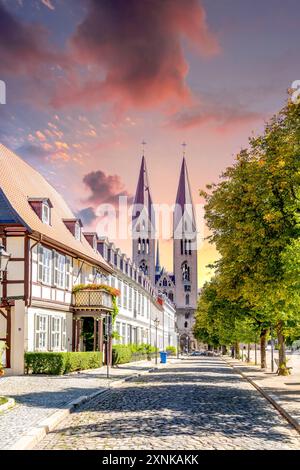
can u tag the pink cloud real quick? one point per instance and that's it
(136, 49)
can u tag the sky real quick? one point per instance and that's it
(88, 80)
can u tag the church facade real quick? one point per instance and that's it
(180, 286)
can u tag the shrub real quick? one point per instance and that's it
(171, 350)
(58, 363)
(121, 353)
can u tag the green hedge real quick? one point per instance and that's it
(58, 363)
(171, 350)
(123, 353)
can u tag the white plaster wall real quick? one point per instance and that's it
(30, 320)
(15, 246)
(15, 270)
(17, 337)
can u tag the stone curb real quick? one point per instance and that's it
(269, 397)
(9, 404)
(34, 435)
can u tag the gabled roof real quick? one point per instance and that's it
(18, 182)
(7, 213)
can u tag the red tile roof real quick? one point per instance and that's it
(19, 181)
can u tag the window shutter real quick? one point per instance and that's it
(48, 334)
(37, 327)
(40, 263)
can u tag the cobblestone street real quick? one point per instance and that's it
(199, 403)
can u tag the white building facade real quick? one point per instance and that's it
(139, 304)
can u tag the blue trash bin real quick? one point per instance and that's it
(163, 357)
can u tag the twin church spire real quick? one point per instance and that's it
(143, 220)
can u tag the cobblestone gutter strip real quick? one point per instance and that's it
(270, 397)
(37, 433)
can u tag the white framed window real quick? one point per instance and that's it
(77, 232)
(120, 289)
(68, 273)
(60, 270)
(95, 243)
(45, 265)
(41, 330)
(125, 292)
(135, 301)
(139, 303)
(118, 329)
(45, 213)
(64, 334)
(130, 299)
(55, 333)
(123, 333)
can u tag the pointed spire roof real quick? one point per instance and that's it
(157, 266)
(143, 195)
(184, 200)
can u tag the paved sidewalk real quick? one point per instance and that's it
(284, 391)
(40, 396)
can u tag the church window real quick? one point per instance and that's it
(185, 271)
(185, 324)
(139, 246)
(171, 297)
(181, 246)
(187, 315)
(187, 299)
(144, 267)
(190, 247)
(165, 283)
(147, 245)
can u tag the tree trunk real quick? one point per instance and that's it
(263, 341)
(282, 369)
(237, 350)
(248, 356)
(224, 350)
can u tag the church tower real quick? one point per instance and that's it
(185, 260)
(143, 226)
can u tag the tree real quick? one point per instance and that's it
(254, 217)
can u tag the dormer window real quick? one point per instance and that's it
(75, 226)
(45, 213)
(77, 231)
(92, 239)
(42, 207)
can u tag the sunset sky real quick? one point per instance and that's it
(88, 80)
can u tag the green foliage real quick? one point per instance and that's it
(253, 215)
(58, 363)
(123, 353)
(111, 290)
(171, 350)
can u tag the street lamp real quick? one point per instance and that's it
(4, 259)
(156, 322)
